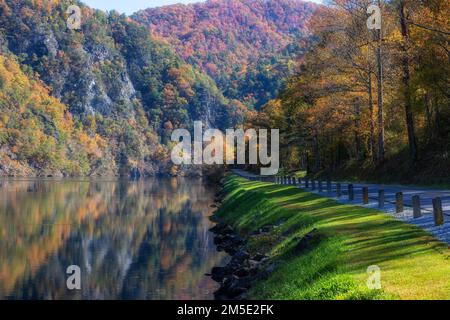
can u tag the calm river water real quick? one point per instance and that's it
(144, 239)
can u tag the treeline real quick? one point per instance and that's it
(370, 104)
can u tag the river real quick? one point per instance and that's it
(146, 239)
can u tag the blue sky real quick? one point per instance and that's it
(130, 6)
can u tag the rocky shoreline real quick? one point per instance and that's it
(243, 269)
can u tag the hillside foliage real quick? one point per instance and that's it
(37, 133)
(247, 46)
(117, 80)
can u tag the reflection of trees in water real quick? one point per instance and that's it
(131, 239)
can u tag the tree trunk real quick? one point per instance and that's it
(316, 152)
(428, 115)
(381, 151)
(357, 123)
(406, 78)
(372, 122)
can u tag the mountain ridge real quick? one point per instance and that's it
(246, 46)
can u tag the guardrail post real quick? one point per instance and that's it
(365, 191)
(338, 190)
(399, 202)
(351, 195)
(313, 184)
(437, 212)
(320, 186)
(381, 199)
(417, 211)
(329, 186)
(294, 181)
(306, 183)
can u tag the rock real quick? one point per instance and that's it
(219, 273)
(216, 229)
(237, 276)
(222, 229)
(219, 239)
(259, 257)
(242, 272)
(230, 250)
(233, 292)
(244, 282)
(240, 256)
(227, 230)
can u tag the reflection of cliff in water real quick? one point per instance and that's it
(132, 240)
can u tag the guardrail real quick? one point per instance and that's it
(399, 202)
(339, 189)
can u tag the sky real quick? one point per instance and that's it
(131, 6)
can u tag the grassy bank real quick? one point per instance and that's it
(350, 238)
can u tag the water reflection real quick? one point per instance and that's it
(132, 240)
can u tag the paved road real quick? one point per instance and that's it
(426, 201)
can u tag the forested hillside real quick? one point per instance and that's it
(116, 80)
(366, 106)
(247, 46)
(37, 133)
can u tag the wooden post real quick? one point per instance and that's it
(381, 199)
(306, 183)
(365, 191)
(320, 186)
(313, 184)
(351, 195)
(417, 212)
(437, 212)
(329, 186)
(399, 202)
(294, 181)
(338, 190)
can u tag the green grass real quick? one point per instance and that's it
(413, 264)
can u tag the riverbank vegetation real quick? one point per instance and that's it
(345, 241)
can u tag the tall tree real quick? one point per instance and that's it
(406, 79)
